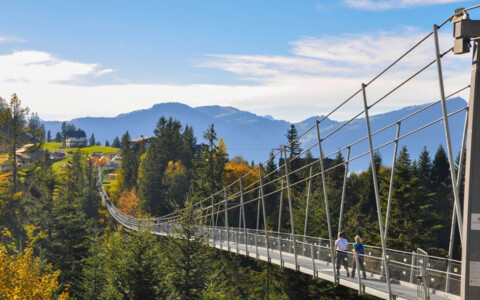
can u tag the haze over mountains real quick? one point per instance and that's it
(253, 137)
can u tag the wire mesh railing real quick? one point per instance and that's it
(314, 253)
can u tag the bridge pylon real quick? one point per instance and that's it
(464, 32)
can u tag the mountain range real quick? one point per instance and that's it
(253, 136)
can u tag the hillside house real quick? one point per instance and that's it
(146, 140)
(27, 154)
(76, 139)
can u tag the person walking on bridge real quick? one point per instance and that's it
(360, 251)
(341, 248)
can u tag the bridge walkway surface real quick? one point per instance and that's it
(403, 272)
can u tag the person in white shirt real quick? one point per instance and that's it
(341, 248)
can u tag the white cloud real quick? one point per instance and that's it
(11, 39)
(37, 66)
(393, 4)
(318, 75)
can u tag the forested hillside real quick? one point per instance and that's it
(58, 240)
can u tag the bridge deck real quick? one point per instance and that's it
(281, 251)
(373, 285)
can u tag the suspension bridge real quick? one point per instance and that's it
(390, 273)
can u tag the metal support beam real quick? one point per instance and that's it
(290, 207)
(392, 175)
(453, 176)
(344, 190)
(325, 195)
(454, 215)
(377, 194)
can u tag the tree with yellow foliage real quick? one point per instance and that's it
(236, 168)
(23, 276)
(128, 202)
(176, 183)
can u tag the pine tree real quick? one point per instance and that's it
(293, 144)
(116, 142)
(209, 165)
(167, 145)
(14, 124)
(58, 137)
(68, 243)
(92, 140)
(94, 280)
(442, 201)
(133, 267)
(129, 163)
(424, 169)
(49, 136)
(188, 257)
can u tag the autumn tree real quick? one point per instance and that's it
(176, 183)
(128, 202)
(23, 276)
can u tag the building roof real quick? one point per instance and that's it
(76, 134)
(141, 138)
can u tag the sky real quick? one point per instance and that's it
(288, 59)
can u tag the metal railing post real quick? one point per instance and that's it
(258, 223)
(290, 207)
(256, 245)
(236, 240)
(325, 195)
(377, 194)
(212, 222)
(243, 216)
(312, 253)
(447, 133)
(280, 223)
(344, 190)
(226, 218)
(260, 170)
(307, 208)
(201, 218)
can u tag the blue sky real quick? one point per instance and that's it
(289, 59)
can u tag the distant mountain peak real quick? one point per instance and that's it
(250, 135)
